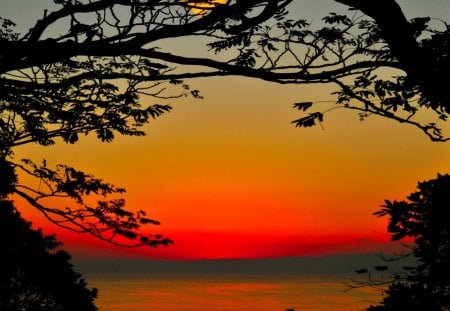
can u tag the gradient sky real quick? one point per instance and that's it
(230, 177)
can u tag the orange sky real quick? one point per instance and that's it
(229, 176)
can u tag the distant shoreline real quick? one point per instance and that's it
(293, 266)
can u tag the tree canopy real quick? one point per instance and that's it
(35, 274)
(85, 66)
(382, 63)
(421, 218)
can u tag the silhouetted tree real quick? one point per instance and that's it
(382, 63)
(82, 69)
(35, 275)
(84, 66)
(423, 219)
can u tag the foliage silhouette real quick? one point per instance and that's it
(382, 63)
(423, 219)
(83, 68)
(35, 274)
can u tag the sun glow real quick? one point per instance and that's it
(202, 7)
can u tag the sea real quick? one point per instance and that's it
(225, 286)
(237, 292)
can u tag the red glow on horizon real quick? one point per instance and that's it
(222, 245)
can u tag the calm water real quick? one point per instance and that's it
(201, 292)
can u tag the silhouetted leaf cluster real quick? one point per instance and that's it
(309, 120)
(35, 274)
(68, 110)
(303, 106)
(108, 220)
(398, 67)
(7, 29)
(8, 179)
(422, 218)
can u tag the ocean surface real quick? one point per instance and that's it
(225, 293)
(306, 284)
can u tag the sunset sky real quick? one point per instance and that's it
(230, 177)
